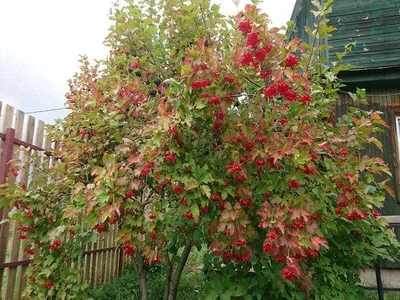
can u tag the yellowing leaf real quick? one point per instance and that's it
(56, 233)
(69, 212)
(206, 190)
(79, 186)
(191, 184)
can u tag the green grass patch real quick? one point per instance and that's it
(126, 287)
(373, 295)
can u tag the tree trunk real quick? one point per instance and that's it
(173, 290)
(168, 276)
(143, 287)
(140, 274)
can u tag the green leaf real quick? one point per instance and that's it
(49, 260)
(195, 210)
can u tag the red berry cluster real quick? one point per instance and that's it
(245, 26)
(13, 171)
(198, 84)
(189, 215)
(215, 197)
(129, 194)
(229, 79)
(204, 209)
(291, 61)
(29, 251)
(215, 100)
(171, 158)
(128, 248)
(146, 168)
(245, 202)
(153, 235)
(101, 227)
(177, 189)
(293, 184)
(55, 245)
(289, 273)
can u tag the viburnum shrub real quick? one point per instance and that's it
(206, 131)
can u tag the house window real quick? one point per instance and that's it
(397, 121)
(396, 148)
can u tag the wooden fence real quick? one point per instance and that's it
(101, 260)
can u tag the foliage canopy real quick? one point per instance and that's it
(199, 129)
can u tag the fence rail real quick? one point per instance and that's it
(101, 261)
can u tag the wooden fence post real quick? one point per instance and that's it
(5, 159)
(121, 261)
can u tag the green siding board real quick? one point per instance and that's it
(367, 36)
(346, 6)
(362, 48)
(361, 25)
(373, 24)
(355, 16)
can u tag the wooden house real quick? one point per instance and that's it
(375, 27)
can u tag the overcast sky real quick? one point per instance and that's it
(40, 43)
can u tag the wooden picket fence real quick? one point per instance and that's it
(101, 260)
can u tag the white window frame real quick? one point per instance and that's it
(397, 120)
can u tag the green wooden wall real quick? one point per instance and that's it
(373, 24)
(386, 101)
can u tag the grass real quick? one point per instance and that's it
(373, 294)
(126, 287)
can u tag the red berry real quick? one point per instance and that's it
(177, 189)
(246, 59)
(173, 131)
(229, 79)
(48, 284)
(189, 215)
(265, 74)
(100, 228)
(245, 202)
(376, 214)
(291, 61)
(245, 26)
(305, 99)
(293, 184)
(253, 40)
(299, 224)
(260, 56)
(170, 157)
(270, 92)
(198, 84)
(272, 235)
(288, 273)
(129, 194)
(204, 209)
(215, 198)
(239, 178)
(283, 121)
(215, 100)
(29, 251)
(153, 235)
(267, 247)
(128, 248)
(55, 245)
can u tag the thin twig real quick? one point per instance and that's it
(255, 83)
